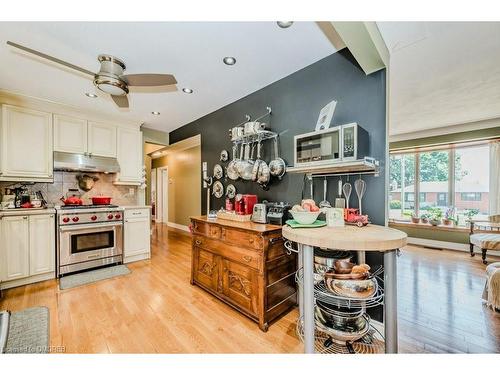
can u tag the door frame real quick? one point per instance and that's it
(162, 194)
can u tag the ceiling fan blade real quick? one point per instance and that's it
(54, 59)
(149, 79)
(120, 100)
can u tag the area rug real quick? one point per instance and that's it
(89, 277)
(29, 331)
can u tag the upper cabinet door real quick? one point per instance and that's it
(70, 134)
(26, 145)
(101, 139)
(129, 156)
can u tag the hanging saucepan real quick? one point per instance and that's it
(256, 165)
(264, 175)
(242, 162)
(247, 171)
(232, 173)
(277, 166)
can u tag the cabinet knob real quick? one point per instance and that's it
(198, 242)
(25, 217)
(247, 258)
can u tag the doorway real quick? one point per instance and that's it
(162, 194)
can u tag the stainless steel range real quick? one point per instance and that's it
(88, 237)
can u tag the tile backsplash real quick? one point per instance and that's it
(63, 181)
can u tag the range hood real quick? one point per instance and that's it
(66, 161)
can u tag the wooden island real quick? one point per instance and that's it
(245, 265)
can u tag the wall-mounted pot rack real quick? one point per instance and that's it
(366, 166)
(257, 137)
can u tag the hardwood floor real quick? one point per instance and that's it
(156, 310)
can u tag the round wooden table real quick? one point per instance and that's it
(349, 238)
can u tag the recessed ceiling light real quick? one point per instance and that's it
(91, 95)
(284, 24)
(187, 90)
(156, 113)
(228, 60)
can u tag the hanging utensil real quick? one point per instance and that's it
(232, 172)
(240, 166)
(347, 189)
(339, 201)
(360, 187)
(248, 169)
(324, 203)
(256, 164)
(277, 166)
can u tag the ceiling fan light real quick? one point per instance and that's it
(111, 85)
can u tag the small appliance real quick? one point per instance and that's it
(249, 201)
(259, 214)
(277, 213)
(340, 143)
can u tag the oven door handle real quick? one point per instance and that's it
(69, 228)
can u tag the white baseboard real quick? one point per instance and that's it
(447, 245)
(27, 280)
(178, 226)
(137, 257)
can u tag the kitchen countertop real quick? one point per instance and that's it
(349, 237)
(136, 207)
(247, 225)
(26, 211)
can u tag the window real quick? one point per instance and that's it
(455, 177)
(402, 181)
(470, 196)
(472, 176)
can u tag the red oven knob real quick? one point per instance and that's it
(110, 216)
(75, 219)
(93, 218)
(117, 216)
(65, 219)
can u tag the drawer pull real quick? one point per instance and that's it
(247, 258)
(198, 242)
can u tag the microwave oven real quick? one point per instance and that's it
(340, 143)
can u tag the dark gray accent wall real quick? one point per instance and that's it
(296, 101)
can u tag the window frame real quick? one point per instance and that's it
(450, 194)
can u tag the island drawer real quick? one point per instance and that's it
(250, 258)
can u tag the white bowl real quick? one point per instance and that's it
(305, 217)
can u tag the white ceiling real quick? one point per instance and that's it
(442, 73)
(192, 51)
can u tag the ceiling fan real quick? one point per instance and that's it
(110, 78)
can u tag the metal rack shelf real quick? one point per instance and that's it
(253, 138)
(372, 343)
(356, 167)
(323, 294)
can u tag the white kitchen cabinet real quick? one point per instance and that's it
(25, 145)
(42, 244)
(137, 235)
(27, 249)
(14, 252)
(101, 139)
(70, 134)
(129, 154)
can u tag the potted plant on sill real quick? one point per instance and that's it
(424, 218)
(449, 217)
(435, 216)
(415, 219)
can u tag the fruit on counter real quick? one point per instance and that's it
(307, 205)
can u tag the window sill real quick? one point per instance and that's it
(442, 227)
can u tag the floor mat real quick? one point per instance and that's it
(29, 331)
(89, 277)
